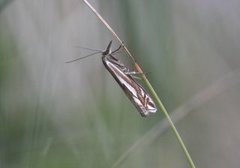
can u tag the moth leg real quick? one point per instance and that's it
(118, 48)
(133, 73)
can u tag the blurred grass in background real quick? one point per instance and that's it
(54, 114)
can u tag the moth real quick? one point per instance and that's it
(125, 78)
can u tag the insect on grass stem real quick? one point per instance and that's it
(149, 86)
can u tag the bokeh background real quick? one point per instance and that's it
(58, 115)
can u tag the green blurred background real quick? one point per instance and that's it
(58, 115)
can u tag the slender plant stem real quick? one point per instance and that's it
(160, 104)
(150, 88)
(109, 28)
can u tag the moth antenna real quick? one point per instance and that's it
(84, 57)
(90, 49)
